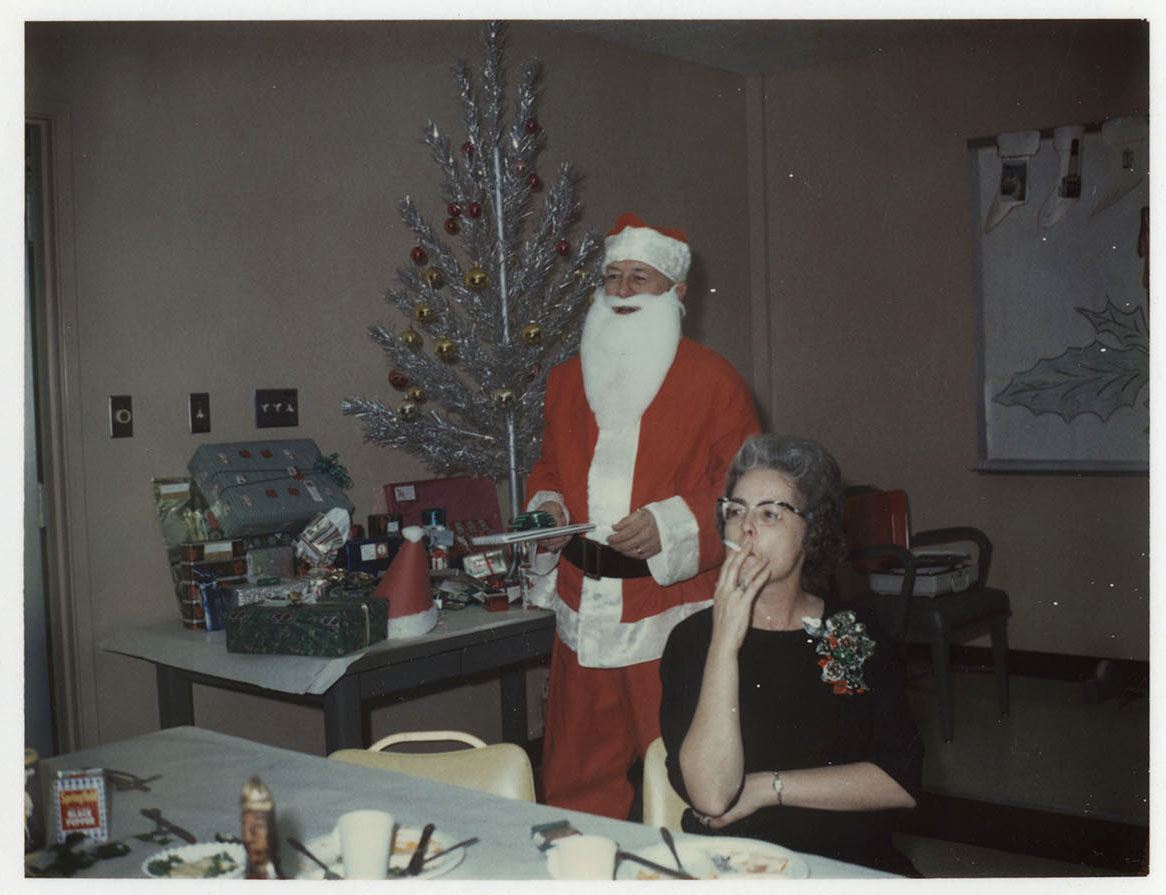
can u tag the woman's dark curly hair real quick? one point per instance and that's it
(815, 475)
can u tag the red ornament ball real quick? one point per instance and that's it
(454, 209)
(474, 209)
(398, 380)
(534, 180)
(563, 248)
(532, 126)
(418, 255)
(468, 149)
(451, 226)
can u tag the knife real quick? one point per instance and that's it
(155, 814)
(418, 858)
(652, 865)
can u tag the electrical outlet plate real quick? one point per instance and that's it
(276, 407)
(200, 412)
(121, 416)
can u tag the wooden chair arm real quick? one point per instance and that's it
(951, 535)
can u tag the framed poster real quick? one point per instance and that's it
(1061, 254)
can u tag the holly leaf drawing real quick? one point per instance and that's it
(1128, 328)
(1095, 379)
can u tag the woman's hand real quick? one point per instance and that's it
(743, 574)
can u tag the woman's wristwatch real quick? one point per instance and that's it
(777, 787)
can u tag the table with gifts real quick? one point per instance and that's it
(464, 643)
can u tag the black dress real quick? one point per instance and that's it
(791, 718)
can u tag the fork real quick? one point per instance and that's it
(303, 850)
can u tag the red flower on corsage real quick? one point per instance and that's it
(844, 647)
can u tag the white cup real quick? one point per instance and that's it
(582, 857)
(366, 837)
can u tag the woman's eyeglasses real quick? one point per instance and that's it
(768, 513)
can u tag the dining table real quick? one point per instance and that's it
(465, 642)
(170, 786)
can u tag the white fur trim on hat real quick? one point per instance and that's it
(642, 243)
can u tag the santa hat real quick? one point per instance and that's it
(405, 585)
(664, 248)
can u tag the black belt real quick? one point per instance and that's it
(597, 560)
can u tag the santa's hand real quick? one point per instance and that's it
(555, 509)
(636, 535)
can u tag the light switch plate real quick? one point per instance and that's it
(200, 412)
(121, 416)
(276, 407)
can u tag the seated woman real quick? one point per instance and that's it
(784, 713)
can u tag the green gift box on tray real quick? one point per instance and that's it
(326, 628)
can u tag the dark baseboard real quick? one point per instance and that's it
(1029, 663)
(1117, 847)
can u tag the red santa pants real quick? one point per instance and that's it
(599, 721)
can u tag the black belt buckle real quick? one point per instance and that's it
(591, 558)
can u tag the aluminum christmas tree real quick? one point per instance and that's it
(486, 324)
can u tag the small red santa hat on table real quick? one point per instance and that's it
(665, 248)
(405, 585)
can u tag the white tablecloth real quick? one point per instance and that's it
(202, 773)
(205, 652)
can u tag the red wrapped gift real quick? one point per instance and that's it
(462, 497)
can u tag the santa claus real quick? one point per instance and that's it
(640, 429)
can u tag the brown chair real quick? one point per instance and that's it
(881, 542)
(500, 768)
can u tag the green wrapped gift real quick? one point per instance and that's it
(326, 628)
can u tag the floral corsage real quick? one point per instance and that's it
(844, 646)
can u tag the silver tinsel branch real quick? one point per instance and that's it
(483, 322)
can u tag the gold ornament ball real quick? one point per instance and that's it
(446, 350)
(422, 313)
(435, 278)
(580, 273)
(503, 398)
(417, 395)
(477, 279)
(532, 334)
(407, 410)
(411, 338)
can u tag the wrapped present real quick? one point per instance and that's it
(259, 592)
(461, 497)
(323, 537)
(192, 599)
(370, 555)
(181, 510)
(331, 628)
(271, 562)
(207, 551)
(186, 572)
(252, 487)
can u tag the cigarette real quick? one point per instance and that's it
(732, 546)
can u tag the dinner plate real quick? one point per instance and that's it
(202, 860)
(719, 857)
(327, 849)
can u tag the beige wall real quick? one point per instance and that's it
(234, 191)
(871, 303)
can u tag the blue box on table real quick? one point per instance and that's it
(256, 487)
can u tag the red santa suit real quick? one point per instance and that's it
(604, 690)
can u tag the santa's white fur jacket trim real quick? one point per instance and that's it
(669, 256)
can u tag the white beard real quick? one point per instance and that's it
(625, 357)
